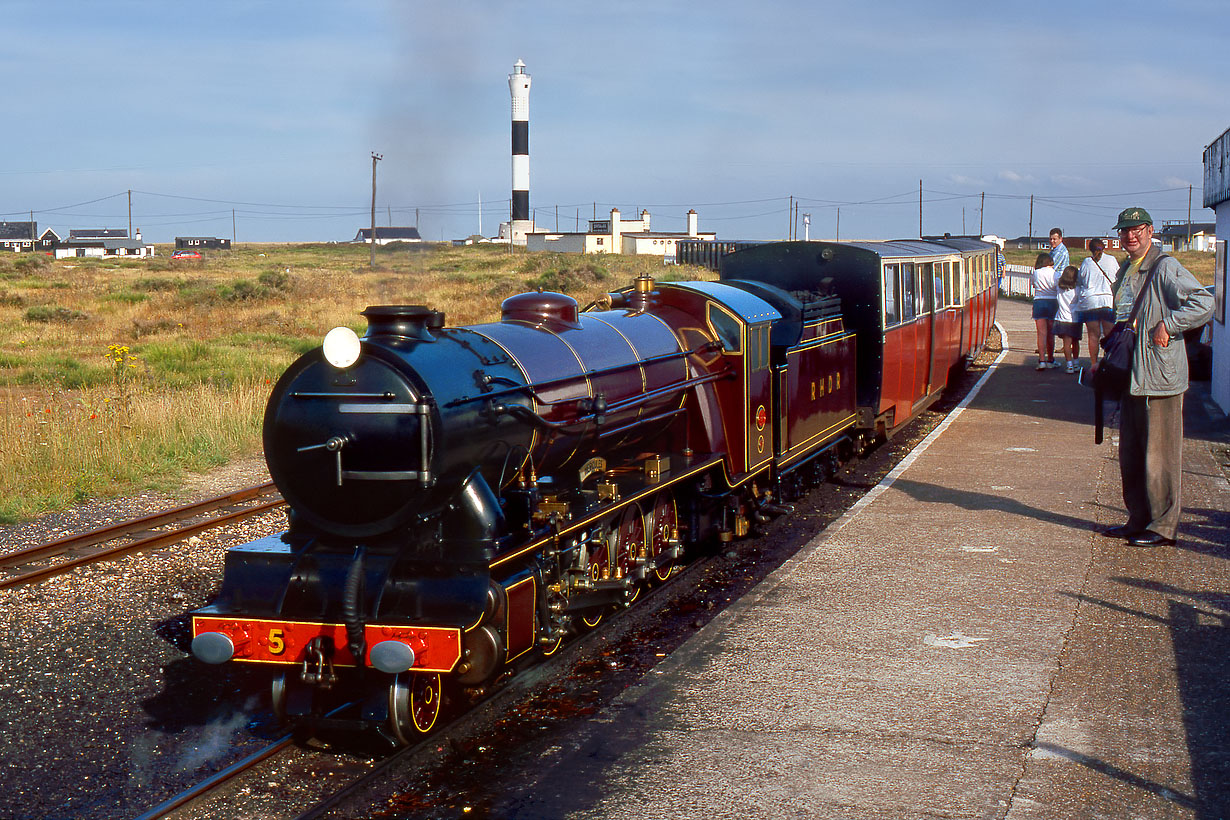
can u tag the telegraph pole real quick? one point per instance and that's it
(1189, 217)
(375, 158)
(981, 207)
(130, 213)
(920, 224)
(1031, 216)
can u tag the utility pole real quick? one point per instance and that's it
(982, 206)
(130, 213)
(372, 260)
(233, 235)
(1189, 217)
(790, 218)
(920, 223)
(1031, 216)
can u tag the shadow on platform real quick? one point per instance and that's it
(1200, 635)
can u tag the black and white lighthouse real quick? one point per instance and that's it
(519, 87)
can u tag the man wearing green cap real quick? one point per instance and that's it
(1151, 411)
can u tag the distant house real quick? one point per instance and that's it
(472, 239)
(102, 242)
(386, 235)
(48, 240)
(19, 237)
(619, 235)
(1188, 236)
(198, 242)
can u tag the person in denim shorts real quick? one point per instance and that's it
(1095, 303)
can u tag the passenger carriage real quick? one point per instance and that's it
(919, 309)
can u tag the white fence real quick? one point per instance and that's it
(1017, 281)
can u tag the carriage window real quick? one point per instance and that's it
(726, 327)
(939, 285)
(924, 288)
(907, 291)
(958, 283)
(892, 295)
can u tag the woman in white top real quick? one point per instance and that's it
(1045, 306)
(1094, 300)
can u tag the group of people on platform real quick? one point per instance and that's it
(1100, 293)
(1071, 302)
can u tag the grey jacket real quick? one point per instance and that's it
(1174, 297)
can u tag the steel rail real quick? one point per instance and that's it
(207, 785)
(160, 539)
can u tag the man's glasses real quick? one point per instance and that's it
(1137, 229)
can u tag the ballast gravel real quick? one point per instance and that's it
(103, 714)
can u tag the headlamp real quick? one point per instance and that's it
(341, 347)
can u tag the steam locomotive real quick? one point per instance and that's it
(462, 499)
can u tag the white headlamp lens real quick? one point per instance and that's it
(341, 347)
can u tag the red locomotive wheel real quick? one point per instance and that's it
(629, 543)
(663, 534)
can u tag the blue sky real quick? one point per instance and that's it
(272, 110)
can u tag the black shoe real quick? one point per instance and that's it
(1148, 538)
(1121, 532)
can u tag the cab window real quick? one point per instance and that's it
(726, 328)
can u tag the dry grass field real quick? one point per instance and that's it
(122, 375)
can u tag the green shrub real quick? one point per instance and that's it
(53, 313)
(128, 297)
(154, 284)
(31, 264)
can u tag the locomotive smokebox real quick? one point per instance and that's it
(378, 444)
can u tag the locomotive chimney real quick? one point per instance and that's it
(407, 321)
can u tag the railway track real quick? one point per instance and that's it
(168, 807)
(37, 563)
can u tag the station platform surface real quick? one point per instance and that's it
(964, 643)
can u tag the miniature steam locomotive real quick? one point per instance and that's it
(462, 499)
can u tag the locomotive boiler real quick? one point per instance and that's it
(462, 499)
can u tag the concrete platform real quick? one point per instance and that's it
(964, 643)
